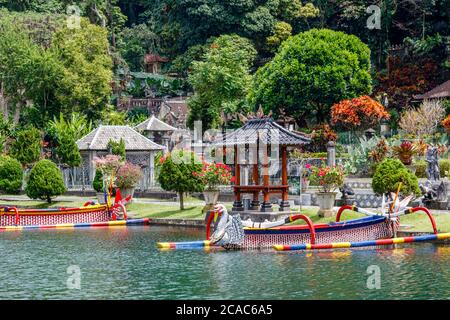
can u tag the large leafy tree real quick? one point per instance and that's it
(221, 80)
(135, 42)
(86, 83)
(50, 68)
(312, 71)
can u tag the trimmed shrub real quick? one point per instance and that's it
(388, 175)
(11, 175)
(45, 181)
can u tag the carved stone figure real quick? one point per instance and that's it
(433, 164)
(346, 191)
(433, 192)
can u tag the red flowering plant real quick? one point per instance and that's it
(362, 113)
(327, 178)
(214, 175)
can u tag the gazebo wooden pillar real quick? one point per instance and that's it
(255, 173)
(266, 205)
(237, 204)
(284, 204)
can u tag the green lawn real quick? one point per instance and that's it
(415, 222)
(145, 210)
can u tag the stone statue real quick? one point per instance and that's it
(348, 194)
(433, 192)
(433, 164)
(346, 191)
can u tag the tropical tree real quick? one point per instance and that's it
(87, 74)
(26, 147)
(47, 68)
(179, 171)
(221, 80)
(312, 71)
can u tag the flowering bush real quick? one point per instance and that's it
(214, 174)
(128, 176)
(362, 112)
(327, 178)
(108, 165)
(446, 123)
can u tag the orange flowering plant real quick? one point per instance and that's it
(214, 175)
(446, 123)
(327, 178)
(362, 112)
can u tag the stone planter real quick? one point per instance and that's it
(326, 201)
(101, 197)
(125, 192)
(211, 197)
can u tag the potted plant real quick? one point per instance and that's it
(328, 179)
(405, 152)
(127, 178)
(213, 175)
(108, 167)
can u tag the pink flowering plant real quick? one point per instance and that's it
(128, 176)
(328, 179)
(214, 174)
(108, 165)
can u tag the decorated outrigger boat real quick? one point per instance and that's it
(375, 229)
(90, 215)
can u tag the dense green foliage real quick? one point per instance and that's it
(45, 181)
(51, 68)
(312, 71)
(176, 173)
(67, 150)
(117, 148)
(388, 175)
(27, 146)
(97, 184)
(221, 80)
(11, 174)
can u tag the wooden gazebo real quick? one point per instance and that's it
(252, 144)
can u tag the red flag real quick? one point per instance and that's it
(118, 196)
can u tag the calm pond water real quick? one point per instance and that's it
(123, 263)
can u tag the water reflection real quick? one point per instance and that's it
(119, 263)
